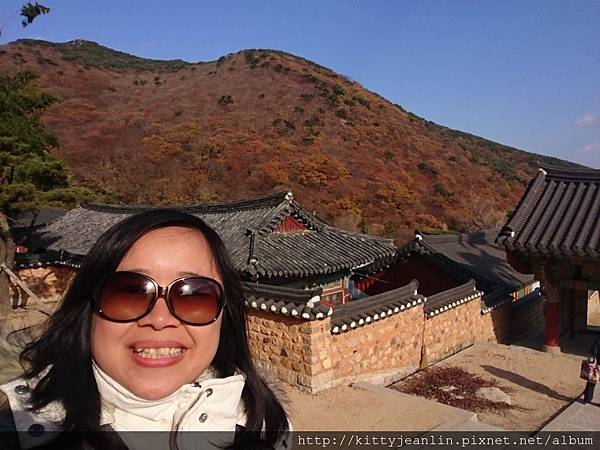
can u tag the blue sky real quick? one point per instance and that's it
(523, 73)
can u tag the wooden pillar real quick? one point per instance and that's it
(551, 294)
(551, 327)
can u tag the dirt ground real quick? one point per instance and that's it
(345, 408)
(540, 385)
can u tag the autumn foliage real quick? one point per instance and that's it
(260, 121)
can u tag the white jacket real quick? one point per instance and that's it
(208, 404)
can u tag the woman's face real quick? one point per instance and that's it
(164, 254)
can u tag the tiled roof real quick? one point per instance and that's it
(358, 313)
(559, 214)
(26, 223)
(246, 228)
(448, 299)
(474, 255)
(44, 216)
(495, 299)
(300, 303)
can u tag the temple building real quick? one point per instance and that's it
(271, 240)
(447, 266)
(555, 233)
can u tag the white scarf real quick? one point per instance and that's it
(181, 410)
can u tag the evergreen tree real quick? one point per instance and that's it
(30, 176)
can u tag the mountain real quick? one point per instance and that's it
(260, 121)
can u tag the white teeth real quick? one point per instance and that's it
(153, 353)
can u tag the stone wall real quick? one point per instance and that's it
(390, 345)
(295, 350)
(495, 326)
(307, 355)
(450, 331)
(527, 318)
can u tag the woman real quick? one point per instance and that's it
(588, 394)
(150, 336)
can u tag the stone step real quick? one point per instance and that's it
(471, 424)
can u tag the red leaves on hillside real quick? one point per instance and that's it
(172, 142)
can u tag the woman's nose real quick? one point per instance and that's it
(160, 316)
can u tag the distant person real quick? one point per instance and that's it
(588, 394)
(150, 336)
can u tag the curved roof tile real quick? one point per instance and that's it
(559, 215)
(367, 310)
(246, 227)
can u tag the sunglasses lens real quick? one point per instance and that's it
(125, 295)
(196, 300)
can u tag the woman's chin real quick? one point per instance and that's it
(153, 392)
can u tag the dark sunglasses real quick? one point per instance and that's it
(129, 296)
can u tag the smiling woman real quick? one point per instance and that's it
(138, 337)
(151, 336)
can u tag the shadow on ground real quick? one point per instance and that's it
(525, 382)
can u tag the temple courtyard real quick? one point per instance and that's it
(540, 386)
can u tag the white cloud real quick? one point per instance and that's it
(590, 148)
(588, 120)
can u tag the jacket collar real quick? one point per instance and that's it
(220, 401)
(125, 411)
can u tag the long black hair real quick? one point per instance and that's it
(64, 345)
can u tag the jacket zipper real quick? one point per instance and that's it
(175, 427)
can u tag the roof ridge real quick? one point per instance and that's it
(263, 201)
(565, 173)
(456, 237)
(281, 292)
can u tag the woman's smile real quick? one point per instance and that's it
(157, 353)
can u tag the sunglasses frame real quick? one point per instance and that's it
(159, 292)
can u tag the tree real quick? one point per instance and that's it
(32, 178)
(29, 11)
(21, 133)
